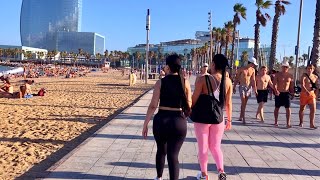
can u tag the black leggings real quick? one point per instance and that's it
(169, 129)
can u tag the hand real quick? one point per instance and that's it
(229, 125)
(277, 93)
(145, 132)
(256, 93)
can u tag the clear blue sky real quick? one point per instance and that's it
(122, 22)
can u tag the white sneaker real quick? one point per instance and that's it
(200, 177)
(222, 176)
(157, 178)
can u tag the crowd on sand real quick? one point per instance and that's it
(24, 80)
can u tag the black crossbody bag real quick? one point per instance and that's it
(313, 84)
(207, 109)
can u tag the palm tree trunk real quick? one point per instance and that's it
(274, 38)
(316, 38)
(256, 40)
(232, 49)
(226, 49)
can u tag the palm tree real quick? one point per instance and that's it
(229, 28)
(261, 19)
(280, 9)
(240, 12)
(315, 55)
(244, 57)
(106, 53)
(222, 39)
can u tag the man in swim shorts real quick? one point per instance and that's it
(246, 78)
(284, 88)
(308, 95)
(263, 81)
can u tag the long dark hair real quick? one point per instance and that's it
(174, 63)
(221, 64)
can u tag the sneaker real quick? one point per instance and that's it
(200, 177)
(157, 178)
(222, 176)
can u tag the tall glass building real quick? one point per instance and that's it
(56, 25)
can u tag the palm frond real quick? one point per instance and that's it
(266, 5)
(262, 20)
(285, 2)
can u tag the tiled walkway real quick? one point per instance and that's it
(252, 151)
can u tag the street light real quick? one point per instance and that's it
(147, 46)
(210, 32)
(298, 44)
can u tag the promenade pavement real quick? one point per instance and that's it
(252, 151)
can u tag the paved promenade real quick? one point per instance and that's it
(252, 151)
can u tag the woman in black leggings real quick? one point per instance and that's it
(170, 125)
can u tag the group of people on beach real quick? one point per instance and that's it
(174, 100)
(7, 90)
(280, 84)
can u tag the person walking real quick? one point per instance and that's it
(246, 79)
(209, 134)
(308, 96)
(263, 81)
(169, 124)
(284, 92)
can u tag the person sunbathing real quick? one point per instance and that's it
(25, 90)
(6, 91)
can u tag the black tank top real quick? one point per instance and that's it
(170, 92)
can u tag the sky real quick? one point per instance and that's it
(122, 22)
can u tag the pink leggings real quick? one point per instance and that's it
(209, 136)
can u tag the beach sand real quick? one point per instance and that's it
(32, 129)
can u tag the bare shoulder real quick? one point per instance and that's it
(158, 84)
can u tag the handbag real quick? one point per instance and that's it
(313, 84)
(207, 109)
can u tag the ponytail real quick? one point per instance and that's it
(222, 93)
(185, 106)
(221, 64)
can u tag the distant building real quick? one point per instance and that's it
(35, 52)
(183, 46)
(56, 25)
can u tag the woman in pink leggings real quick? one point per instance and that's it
(209, 136)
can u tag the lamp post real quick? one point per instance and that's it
(210, 31)
(147, 46)
(298, 44)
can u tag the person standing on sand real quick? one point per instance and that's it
(284, 91)
(263, 81)
(169, 124)
(246, 77)
(308, 95)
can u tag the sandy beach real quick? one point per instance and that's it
(32, 129)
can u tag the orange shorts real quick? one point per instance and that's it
(306, 99)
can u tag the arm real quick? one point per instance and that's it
(152, 107)
(188, 93)
(271, 84)
(197, 91)
(236, 80)
(291, 88)
(253, 81)
(303, 83)
(228, 105)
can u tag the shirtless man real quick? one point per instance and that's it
(284, 91)
(246, 77)
(262, 81)
(309, 93)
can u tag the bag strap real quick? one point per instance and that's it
(209, 86)
(308, 77)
